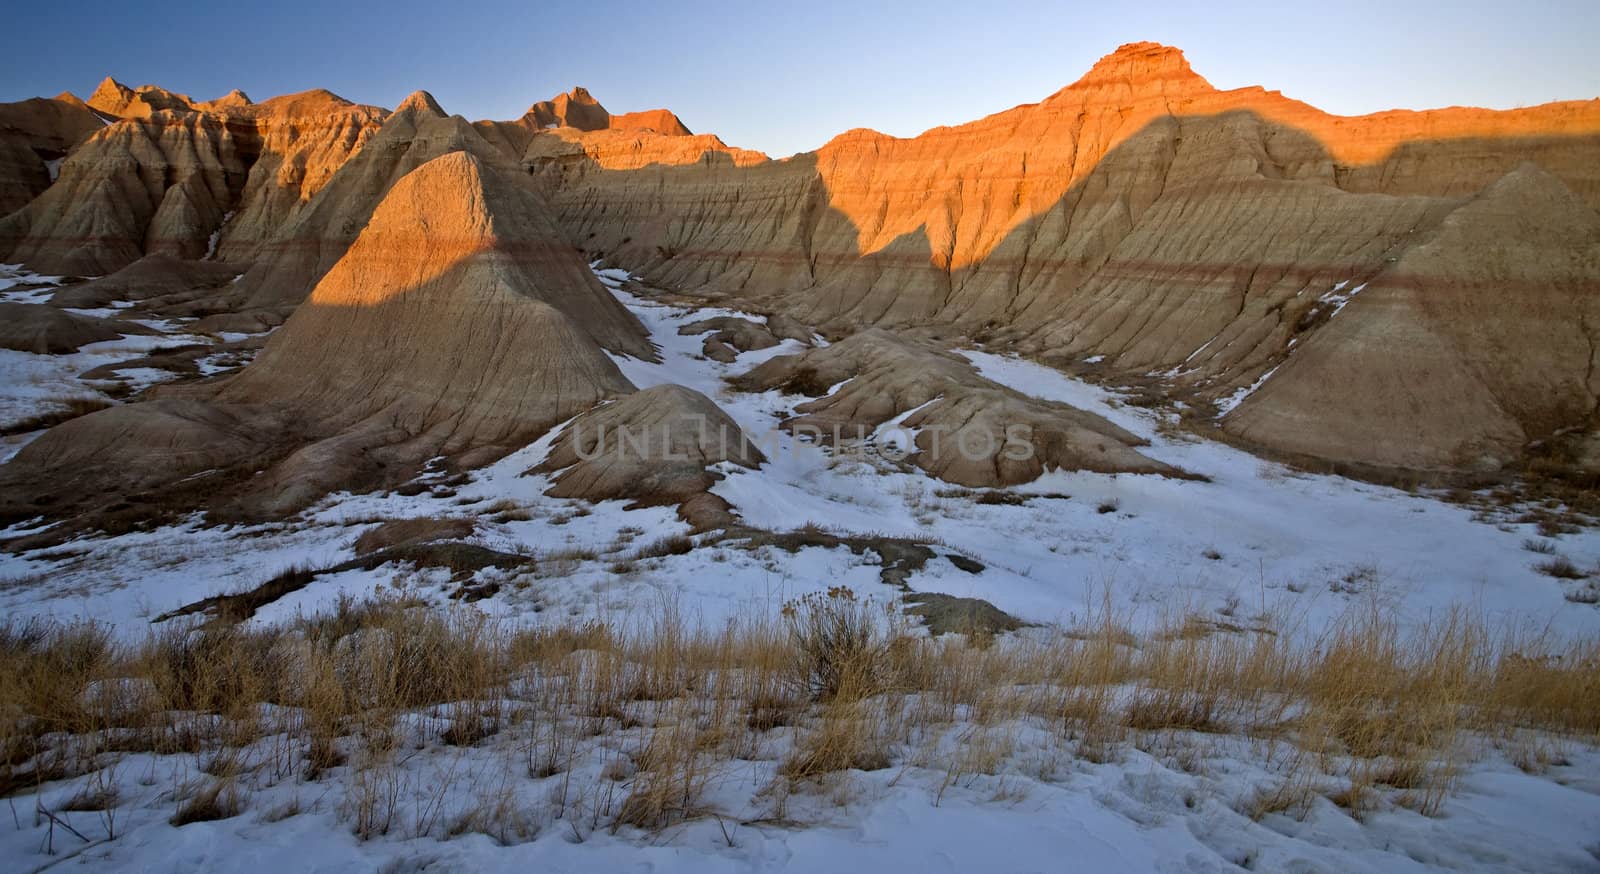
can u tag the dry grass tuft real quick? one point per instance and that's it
(632, 725)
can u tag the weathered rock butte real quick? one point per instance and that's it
(1410, 291)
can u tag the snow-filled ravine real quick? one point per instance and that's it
(1255, 540)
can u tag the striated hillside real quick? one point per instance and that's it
(1404, 290)
(1142, 215)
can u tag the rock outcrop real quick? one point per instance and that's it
(652, 447)
(1142, 215)
(460, 323)
(551, 127)
(166, 177)
(34, 136)
(112, 98)
(45, 330)
(967, 429)
(319, 231)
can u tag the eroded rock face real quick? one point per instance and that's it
(460, 317)
(167, 177)
(968, 430)
(291, 261)
(570, 116)
(34, 134)
(1142, 215)
(460, 321)
(652, 447)
(1474, 342)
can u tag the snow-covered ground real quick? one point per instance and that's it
(1257, 539)
(31, 385)
(1139, 815)
(1257, 542)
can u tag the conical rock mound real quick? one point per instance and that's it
(460, 323)
(318, 234)
(460, 312)
(421, 101)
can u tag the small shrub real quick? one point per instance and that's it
(1561, 568)
(675, 544)
(220, 800)
(837, 644)
(1110, 506)
(1543, 547)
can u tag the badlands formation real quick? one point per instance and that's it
(1155, 476)
(1401, 293)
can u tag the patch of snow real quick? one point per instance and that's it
(1231, 402)
(216, 235)
(1338, 297)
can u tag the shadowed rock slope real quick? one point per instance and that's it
(1207, 236)
(653, 447)
(33, 134)
(460, 323)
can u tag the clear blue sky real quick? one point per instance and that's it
(784, 77)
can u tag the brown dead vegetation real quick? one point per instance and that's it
(1367, 713)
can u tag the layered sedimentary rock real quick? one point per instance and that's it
(967, 429)
(1476, 340)
(168, 175)
(308, 243)
(136, 186)
(303, 140)
(1405, 289)
(34, 136)
(568, 117)
(460, 323)
(112, 98)
(653, 447)
(1142, 215)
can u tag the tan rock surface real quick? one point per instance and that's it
(969, 430)
(33, 132)
(1138, 214)
(460, 320)
(45, 330)
(652, 446)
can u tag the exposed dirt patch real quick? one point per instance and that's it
(410, 532)
(463, 560)
(945, 614)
